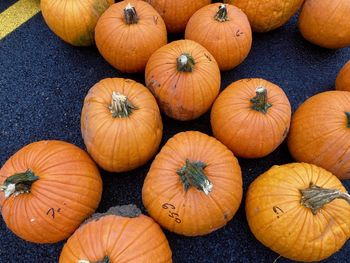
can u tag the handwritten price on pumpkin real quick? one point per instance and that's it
(171, 213)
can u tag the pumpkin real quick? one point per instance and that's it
(194, 185)
(267, 15)
(320, 132)
(343, 79)
(229, 30)
(47, 189)
(176, 13)
(74, 21)
(326, 23)
(121, 124)
(251, 117)
(122, 234)
(300, 211)
(185, 79)
(128, 33)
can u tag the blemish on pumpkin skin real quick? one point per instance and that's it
(155, 19)
(207, 56)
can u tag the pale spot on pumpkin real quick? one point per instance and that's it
(32, 220)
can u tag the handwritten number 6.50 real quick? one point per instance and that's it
(172, 214)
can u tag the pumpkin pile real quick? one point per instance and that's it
(50, 189)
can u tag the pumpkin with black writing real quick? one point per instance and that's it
(121, 124)
(128, 33)
(194, 185)
(229, 30)
(74, 21)
(47, 189)
(185, 79)
(251, 117)
(122, 234)
(300, 211)
(343, 79)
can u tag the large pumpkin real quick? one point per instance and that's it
(229, 30)
(49, 188)
(251, 117)
(74, 21)
(300, 211)
(185, 79)
(326, 23)
(343, 79)
(268, 14)
(176, 13)
(320, 132)
(194, 185)
(128, 33)
(122, 234)
(121, 124)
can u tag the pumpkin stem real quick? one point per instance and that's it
(348, 119)
(316, 197)
(221, 15)
(192, 174)
(130, 211)
(105, 260)
(18, 183)
(130, 15)
(260, 100)
(121, 107)
(185, 63)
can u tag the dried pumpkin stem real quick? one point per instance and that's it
(105, 260)
(260, 102)
(185, 63)
(130, 15)
(316, 197)
(192, 174)
(221, 15)
(120, 106)
(18, 183)
(348, 119)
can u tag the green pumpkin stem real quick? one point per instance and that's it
(130, 15)
(120, 106)
(192, 174)
(260, 102)
(348, 119)
(185, 63)
(316, 197)
(221, 15)
(104, 260)
(19, 183)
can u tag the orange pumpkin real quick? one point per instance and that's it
(300, 211)
(194, 185)
(121, 124)
(122, 234)
(74, 21)
(185, 79)
(343, 79)
(128, 33)
(320, 132)
(326, 23)
(229, 30)
(49, 188)
(176, 13)
(251, 117)
(267, 15)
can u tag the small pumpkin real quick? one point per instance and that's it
(251, 117)
(267, 15)
(176, 13)
(74, 21)
(185, 79)
(300, 211)
(47, 189)
(230, 34)
(343, 79)
(121, 124)
(326, 23)
(320, 132)
(194, 185)
(128, 33)
(122, 234)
